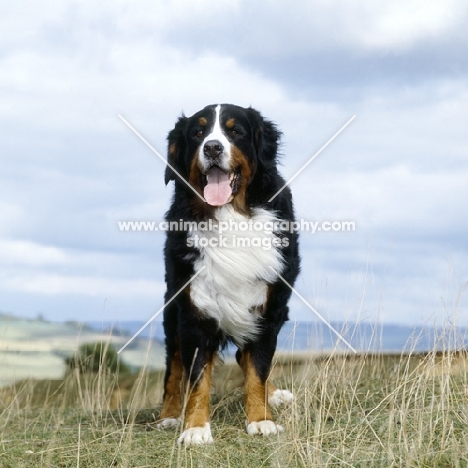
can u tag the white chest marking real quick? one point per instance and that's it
(232, 288)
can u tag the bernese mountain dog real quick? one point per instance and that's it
(227, 252)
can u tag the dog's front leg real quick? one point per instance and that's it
(198, 364)
(197, 428)
(255, 368)
(172, 403)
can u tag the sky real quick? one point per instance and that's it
(70, 169)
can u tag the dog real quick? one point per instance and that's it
(225, 283)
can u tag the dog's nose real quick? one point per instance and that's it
(213, 149)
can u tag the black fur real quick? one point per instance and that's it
(184, 326)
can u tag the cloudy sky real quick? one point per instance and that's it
(70, 169)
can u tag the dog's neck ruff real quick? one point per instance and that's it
(232, 289)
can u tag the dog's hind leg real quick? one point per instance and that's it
(278, 397)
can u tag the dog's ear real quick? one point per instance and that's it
(175, 144)
(266, 138)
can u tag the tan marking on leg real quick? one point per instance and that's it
(256, 393)
(197, 409)
(172, 405)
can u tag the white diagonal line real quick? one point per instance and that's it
(315, 312)
(161, 309)
(312, 158)
(159, 156)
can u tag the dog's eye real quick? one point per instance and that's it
(199, 133)
(233, 132)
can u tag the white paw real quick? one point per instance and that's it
(264, 428)
(280, 397)
(196, 436)
(168, 422)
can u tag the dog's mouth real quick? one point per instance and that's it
(219, 187)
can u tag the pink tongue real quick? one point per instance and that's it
(218, 189)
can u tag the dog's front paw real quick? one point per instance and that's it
(280, 397)
(196, 436)
(168, 422)
(264, 428)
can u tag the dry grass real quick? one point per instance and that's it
(368, 410)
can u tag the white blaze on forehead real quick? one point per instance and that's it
(217, 133)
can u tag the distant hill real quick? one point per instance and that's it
(37, 348)
(315, 336)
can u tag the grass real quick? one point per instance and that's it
(369, 410)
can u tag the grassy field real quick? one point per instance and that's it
(361, 411)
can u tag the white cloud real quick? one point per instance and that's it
(64, 285)
(11, 217)
(300, 28)
(402, 24)
(55, 92)
(30, 253)
(388, 201)
(71, 169)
